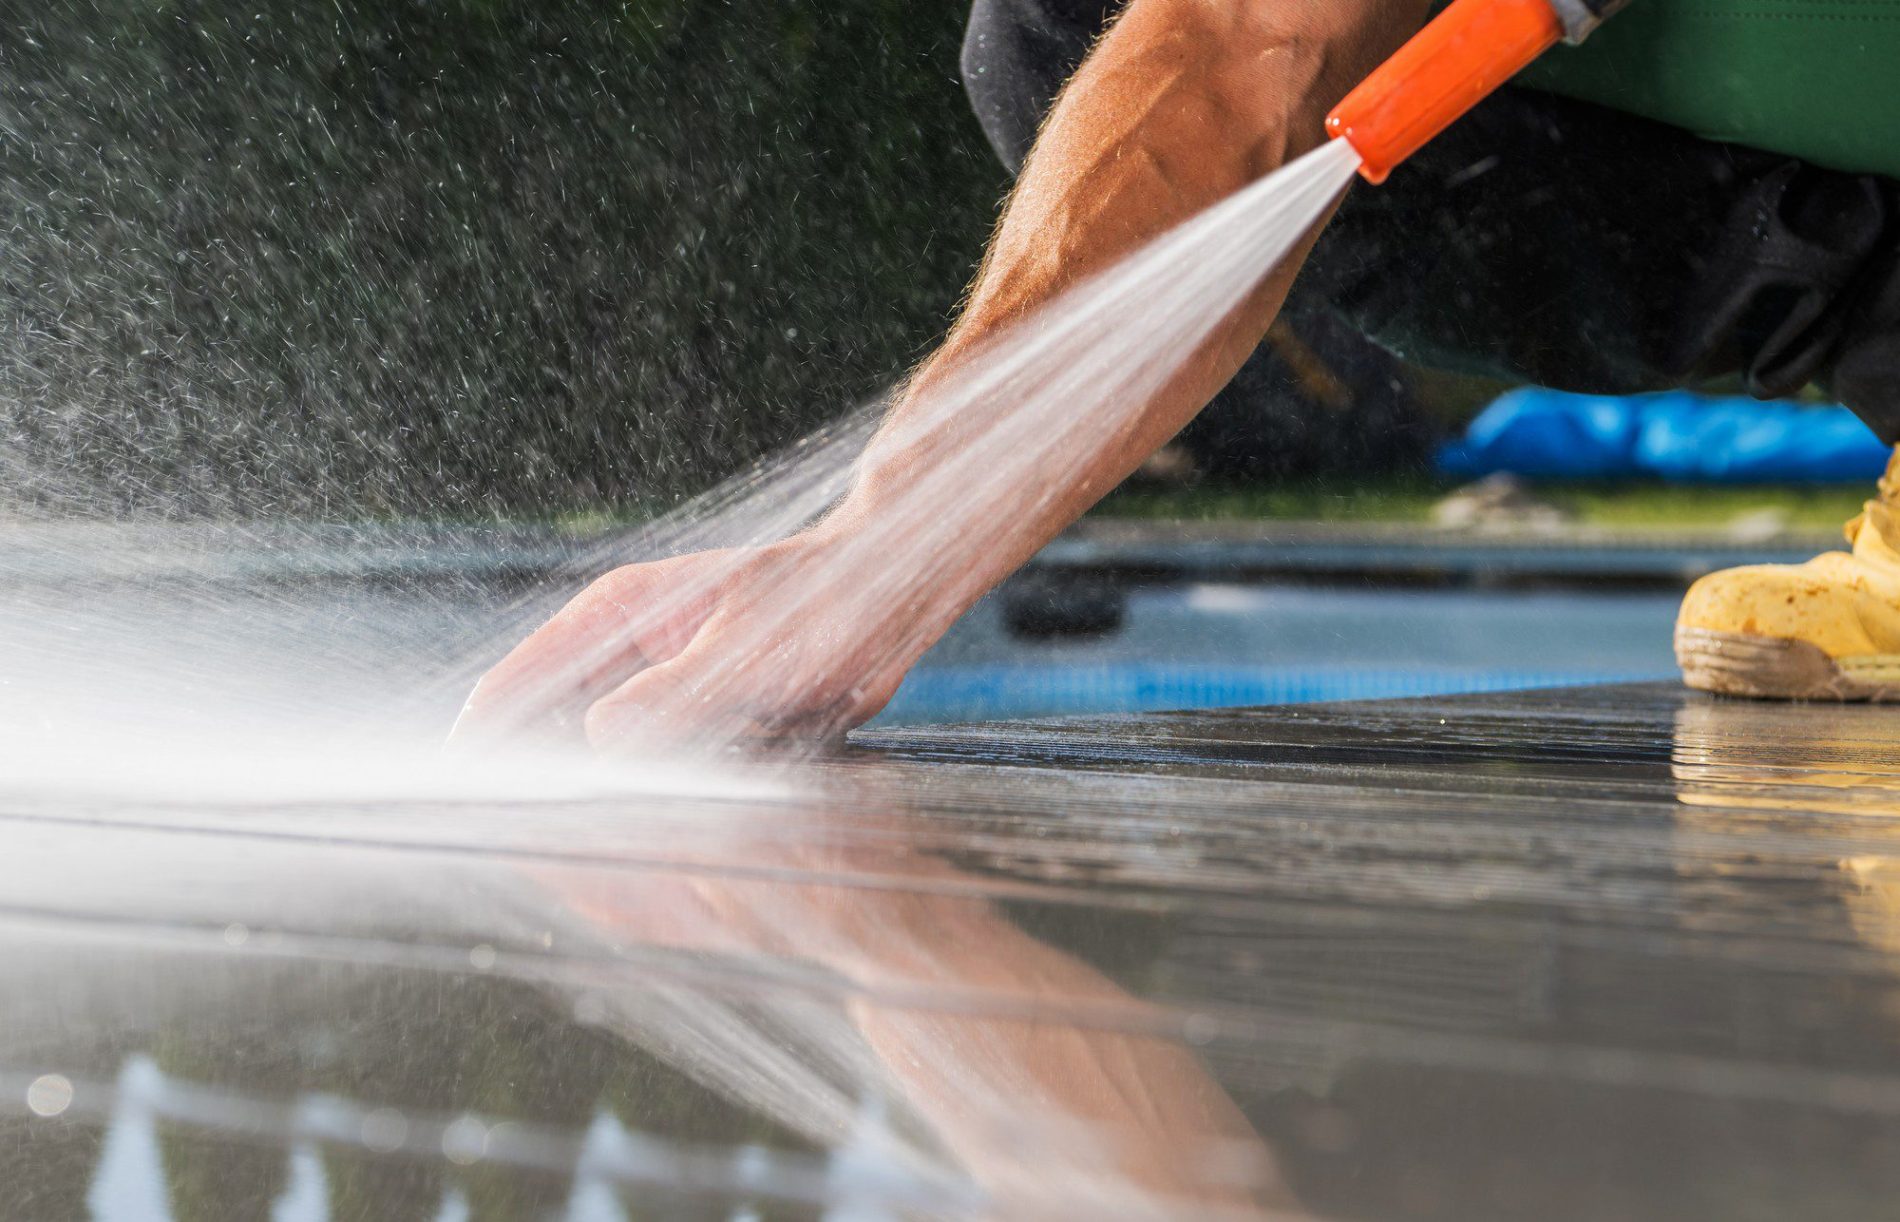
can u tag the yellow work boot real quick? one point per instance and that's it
(1825, 630)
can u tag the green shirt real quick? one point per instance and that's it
(1815, 79)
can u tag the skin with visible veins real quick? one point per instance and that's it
(1182, 103)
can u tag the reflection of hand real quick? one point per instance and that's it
(715, 646)
(991, 1035)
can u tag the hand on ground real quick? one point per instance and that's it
(703, 650)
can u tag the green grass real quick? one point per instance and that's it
(1410, 500)
(1388, 500)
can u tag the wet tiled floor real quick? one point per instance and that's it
(1617, 952)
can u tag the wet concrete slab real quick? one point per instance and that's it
(1616, 952)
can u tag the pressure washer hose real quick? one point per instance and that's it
(1466, 52)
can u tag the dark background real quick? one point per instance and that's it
(463, 256)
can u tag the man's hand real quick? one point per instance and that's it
(1181, 104)
(704, 649)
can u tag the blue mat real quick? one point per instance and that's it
(982, 693)
(1679, 437)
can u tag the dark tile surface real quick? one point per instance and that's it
(1620, 952)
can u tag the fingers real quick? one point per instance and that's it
(682, 653)
(721, 692)
(659, 708)
(624, 622)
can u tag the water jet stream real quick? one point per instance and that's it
(983, 443)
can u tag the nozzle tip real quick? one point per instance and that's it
(1337, 129)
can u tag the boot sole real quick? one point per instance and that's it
(1776, 668)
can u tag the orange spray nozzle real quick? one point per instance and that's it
(1466, 52)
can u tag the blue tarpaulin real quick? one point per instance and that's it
(1677, 436)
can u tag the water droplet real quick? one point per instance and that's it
(1200, 1029)
(385, 1130)
(49, 1095)
(464, 1140)
(482, 957)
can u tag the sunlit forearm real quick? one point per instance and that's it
(1182, 104)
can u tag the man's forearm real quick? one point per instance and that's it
(983, 460)
(1183, 103)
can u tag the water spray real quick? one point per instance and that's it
(648, 661)
(1454, 63)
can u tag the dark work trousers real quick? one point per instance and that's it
(1550, 241)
